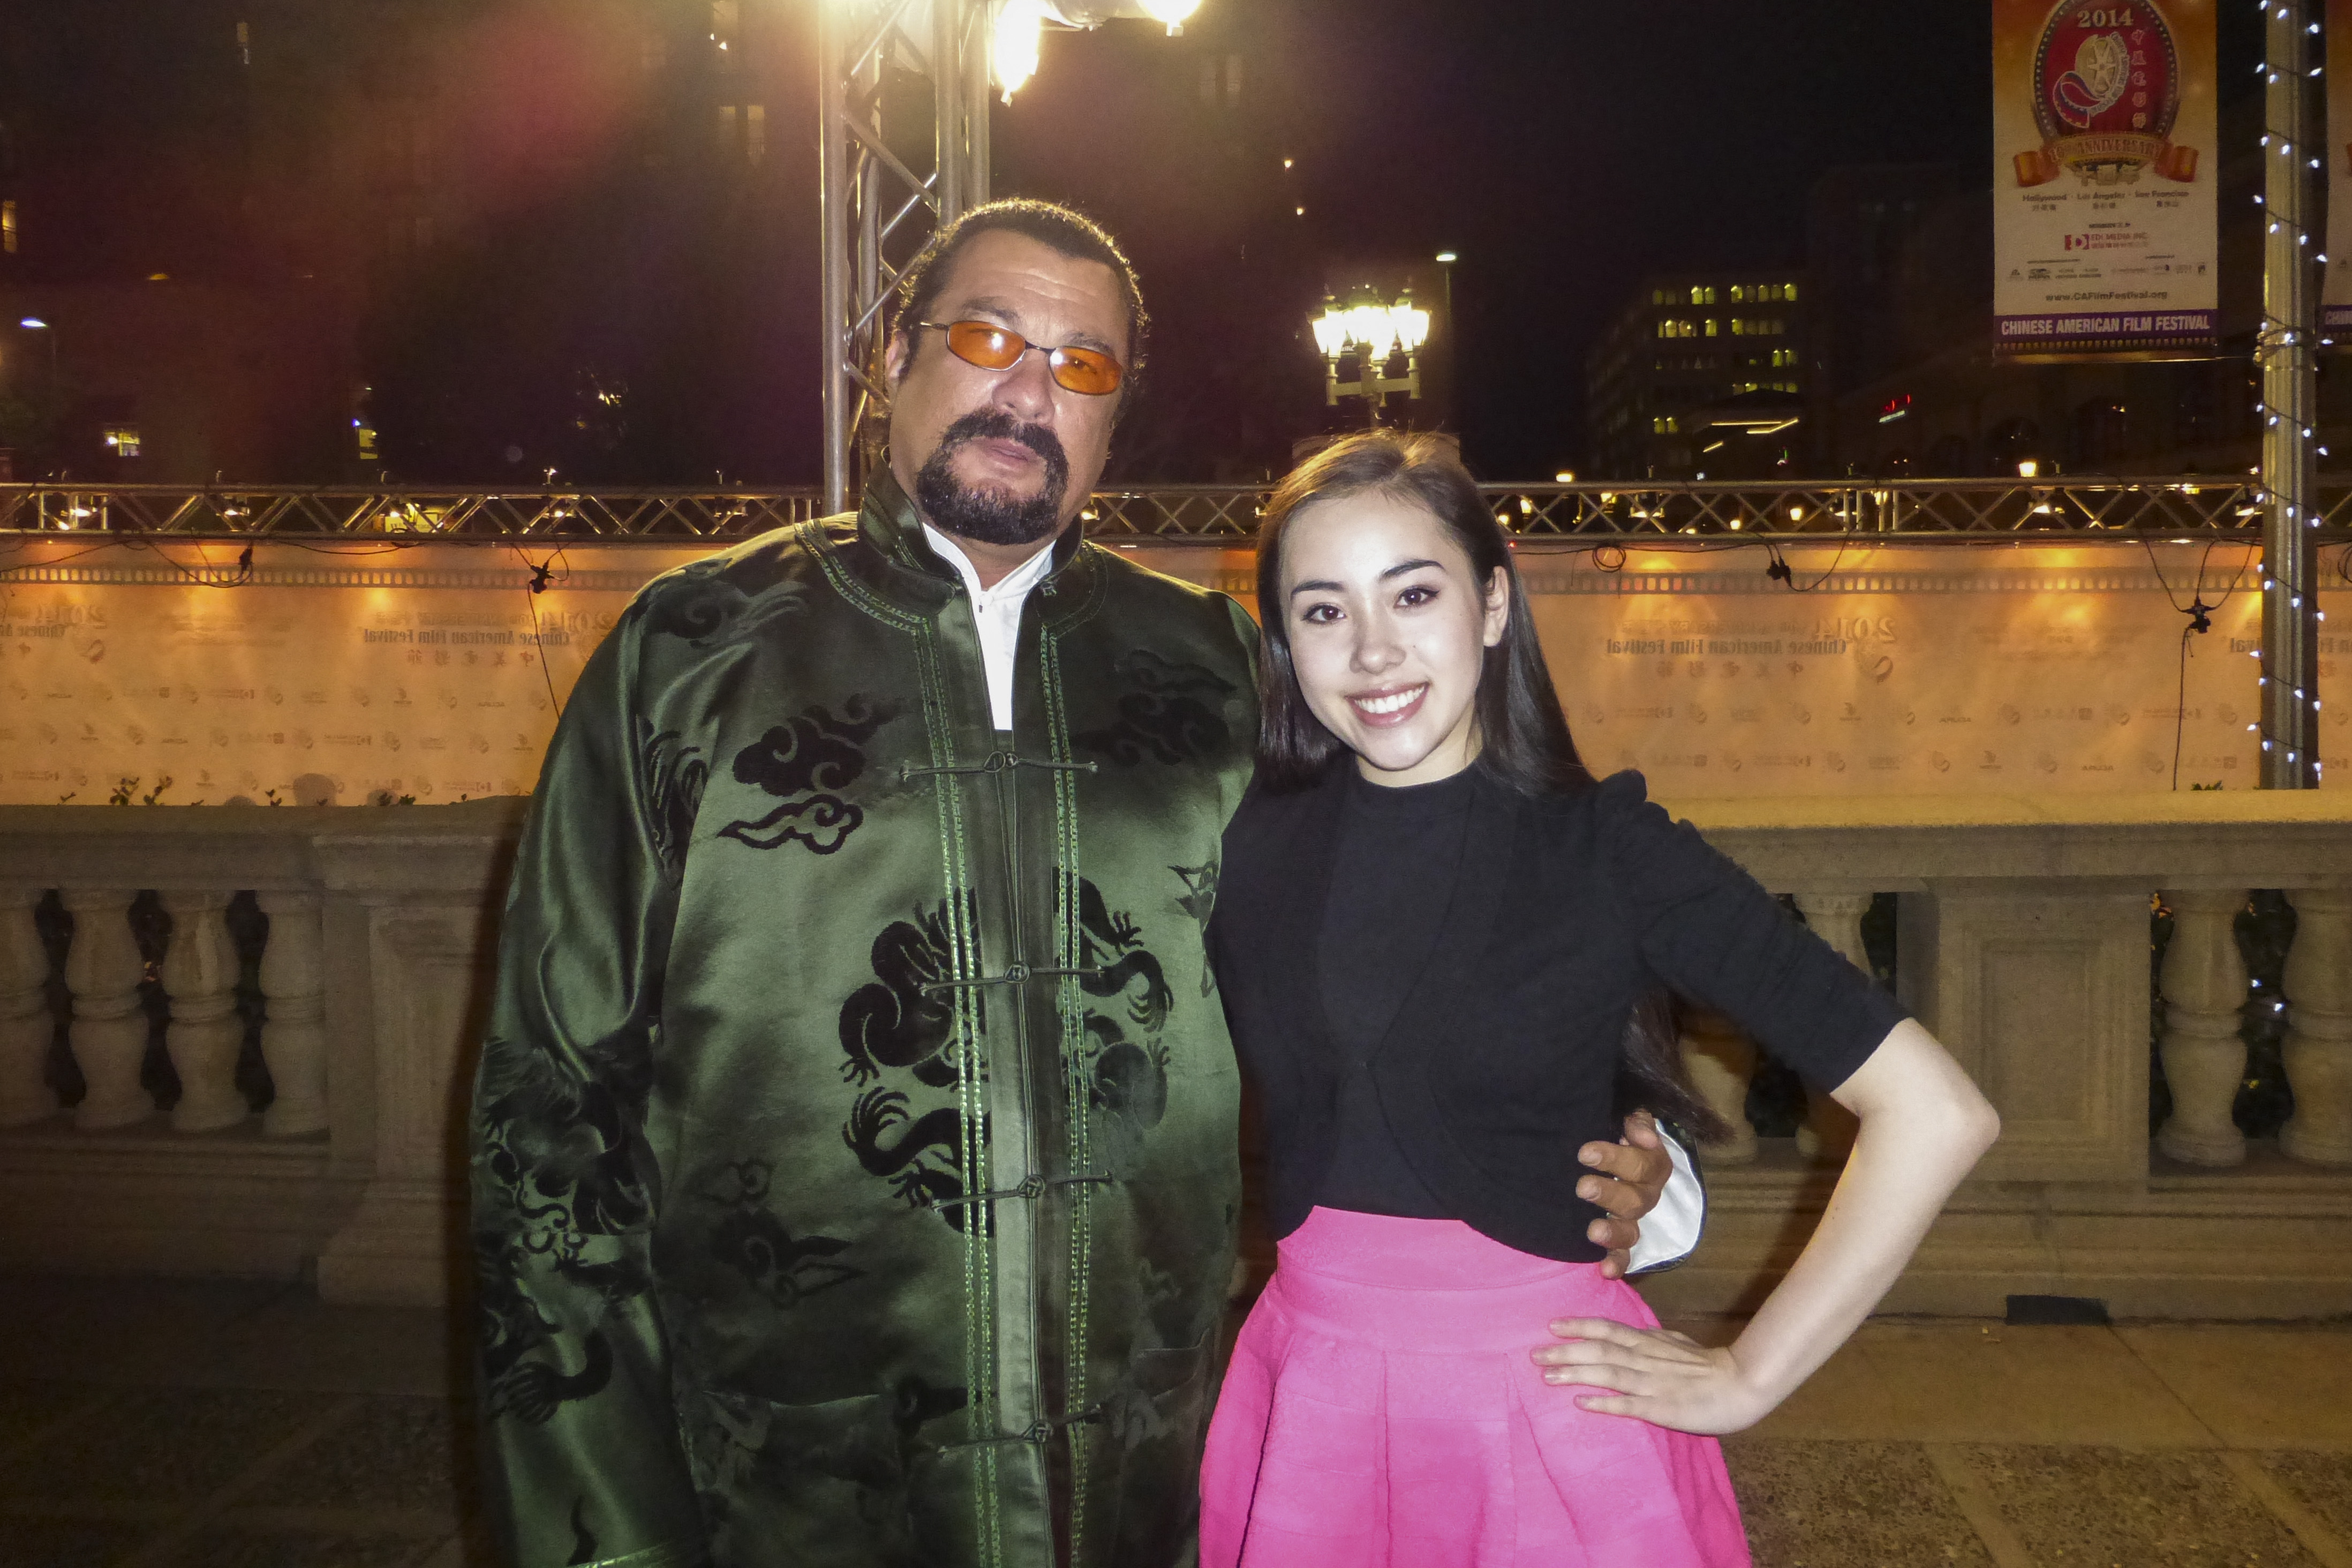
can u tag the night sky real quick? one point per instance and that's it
(1564, 148)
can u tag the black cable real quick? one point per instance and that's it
(539, 584)
(2201, 621)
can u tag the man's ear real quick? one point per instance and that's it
(895, 356)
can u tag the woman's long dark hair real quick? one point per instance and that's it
(1524, 738)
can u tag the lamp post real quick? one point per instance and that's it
(1368, 334)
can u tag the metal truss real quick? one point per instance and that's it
(875, 206)
(1919, 508)
(1955, 509)
(466, 516)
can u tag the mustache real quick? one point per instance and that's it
(995, 424)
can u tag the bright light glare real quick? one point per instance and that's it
(1331, 331)
(1371, 326)
(35, 323)
(1172, 13)
(1411, 324)
(1447, 258)
(1012, 51)
(2028, 468)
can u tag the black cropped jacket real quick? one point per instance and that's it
(1501, 1061)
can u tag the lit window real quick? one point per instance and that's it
(244, 44)
(755, 132)
(1788, 290)
(1710, 326)
(8, 228)
(1739, 293)
(122, 440)
(728, 136)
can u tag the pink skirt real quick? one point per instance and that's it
(1380, 1410)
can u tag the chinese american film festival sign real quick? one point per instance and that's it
(2336, 317)
(2103, 215)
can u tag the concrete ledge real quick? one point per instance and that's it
(2274, 1241)
(153, 1201)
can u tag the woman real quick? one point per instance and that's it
(1444, 948)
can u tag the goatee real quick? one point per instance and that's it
(994, 516)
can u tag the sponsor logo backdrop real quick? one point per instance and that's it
(343, 674)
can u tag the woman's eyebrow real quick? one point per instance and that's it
(1316, 586)
(1401, 567)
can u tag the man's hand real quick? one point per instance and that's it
(1631, 1175)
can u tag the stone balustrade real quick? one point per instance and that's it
(343, 998)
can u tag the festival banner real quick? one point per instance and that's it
(334, 675)
(2104, 163)
(2336, 302)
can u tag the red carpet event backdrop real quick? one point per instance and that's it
(354, 673)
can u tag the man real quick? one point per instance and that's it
(854, 1138)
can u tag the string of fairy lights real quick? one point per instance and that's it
(2288, 346)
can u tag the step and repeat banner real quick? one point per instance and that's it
(351, 674)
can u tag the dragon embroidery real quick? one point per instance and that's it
(1124, 1060)
(894, 1024)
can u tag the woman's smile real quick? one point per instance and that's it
(1389, 706)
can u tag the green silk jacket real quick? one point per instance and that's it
(854, 1175)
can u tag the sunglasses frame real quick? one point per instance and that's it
(1056, 358)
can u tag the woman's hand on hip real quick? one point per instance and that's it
(1652, 1375)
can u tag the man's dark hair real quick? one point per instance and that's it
(1058, 229)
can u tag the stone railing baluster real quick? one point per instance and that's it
(293, 1030)
(25, 1025)
(1722, 1060)
(2318, 1050)
(1836, 917)
(204, 1034)
(2203, 984)
(109, 1029)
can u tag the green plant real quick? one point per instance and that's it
(155, 796)
(271, 796)
(2215, 785)
(122, 788)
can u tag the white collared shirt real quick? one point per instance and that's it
(998, 613)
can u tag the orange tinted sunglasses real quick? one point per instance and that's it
(991, 347)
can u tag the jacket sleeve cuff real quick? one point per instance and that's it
(1670, 1232)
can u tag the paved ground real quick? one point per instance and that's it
(168, 1425)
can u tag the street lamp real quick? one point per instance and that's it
(35, 324)
(1370, 334)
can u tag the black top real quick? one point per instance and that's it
(1500, 1060)
(1394, 871)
